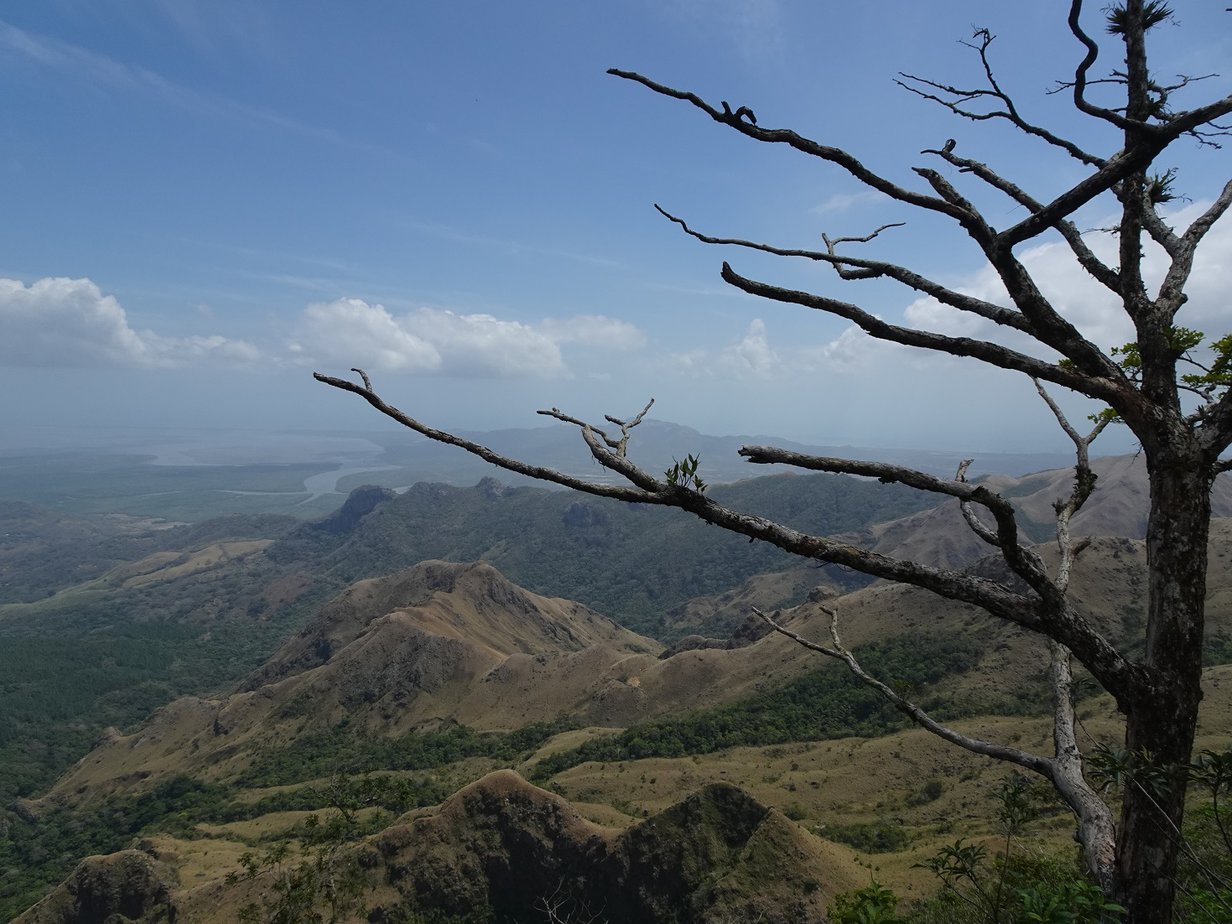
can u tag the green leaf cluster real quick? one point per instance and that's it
(1212, 374)
(873, 904)
(684, 474)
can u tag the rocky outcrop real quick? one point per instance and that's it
(128, 886)
(504, 844)
(359, 503)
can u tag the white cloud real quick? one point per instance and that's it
(69, 322)
(753, 353)
(480, 344)
(754, 357)
(353, 332)
(1089, 306)
(594, 330)
(749, 357)
(180, 351)
(854, 351)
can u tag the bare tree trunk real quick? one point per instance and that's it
(1160, 723)
(1139, 383)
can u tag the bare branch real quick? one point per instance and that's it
(1068, 230)
(884, 472)
(560, 415)
(1155, 226)
(871, 269)
(1172, 291)
(834, 155)
(991, 353)
(1064, 770)
(1081, 443)
(865, 272)
(620, 445)
(562, 908)
(973, 522)
(1047, 324)
(958, 98)
(1096, 831)
(1024, 759)
(1130, 159)
(1216, 430)
(1084, 68)
(1024, 562)
(1057, 618)
(1084, 484)
(488, 455)
(860, 240)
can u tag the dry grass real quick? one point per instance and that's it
(170, 566)
(821, 785)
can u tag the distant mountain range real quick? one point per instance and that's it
(192, 475)
(654, 445)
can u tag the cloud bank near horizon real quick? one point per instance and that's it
(70, 323)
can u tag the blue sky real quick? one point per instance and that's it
(205, 201)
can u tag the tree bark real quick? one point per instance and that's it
(1160, 723)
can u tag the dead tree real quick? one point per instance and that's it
(1167, 388)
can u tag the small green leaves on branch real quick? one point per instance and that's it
(1116, 768)
(1215, 376)
(684, 474)
(1212, 377)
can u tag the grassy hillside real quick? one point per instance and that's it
(104, 618)
(195, 609)
(867, 807)
(632, 563)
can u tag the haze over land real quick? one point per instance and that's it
(186, 473)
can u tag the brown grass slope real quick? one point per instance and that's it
(454, 641)
(1118, 507)
(434, 642)
(445, 642)
(828, 785)
(502, 840)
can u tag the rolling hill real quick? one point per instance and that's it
(435, 674)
